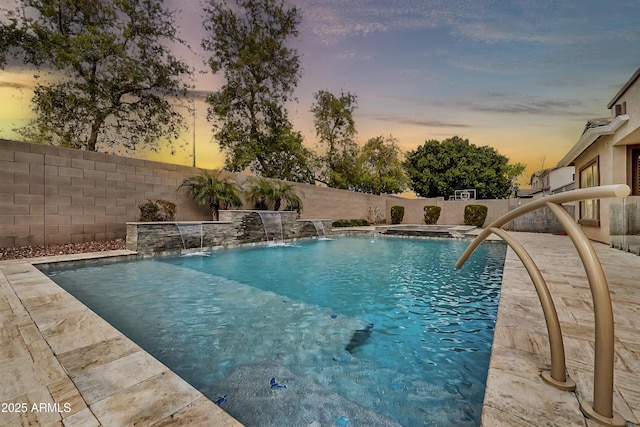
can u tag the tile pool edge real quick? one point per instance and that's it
(51, 295)
(79, 369)
(515, 364)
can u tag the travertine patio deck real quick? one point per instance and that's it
(53, 350)
(516, 394)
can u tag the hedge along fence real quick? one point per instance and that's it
(397, 214)
(475, 215)
(431, 214)
(452, 211)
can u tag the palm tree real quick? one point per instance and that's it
(212, 191)
(284, 192)
(265, 193)
(261, 193)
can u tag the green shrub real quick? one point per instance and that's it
(350, 223)
(431, 214)
(157, 210)
(397, 213)
(475, 215)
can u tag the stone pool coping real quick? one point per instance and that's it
(68, 367)
(57, 351)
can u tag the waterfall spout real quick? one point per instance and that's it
(272, 222)
(190, 230)
(319, 228)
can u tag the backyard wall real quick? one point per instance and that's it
(452, 212)
(60, 195)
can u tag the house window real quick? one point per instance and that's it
(620, 109)
(635, 171)
(590, 209)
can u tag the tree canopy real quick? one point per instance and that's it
(379, 167)
(110, 67)
(248, 43)
(437, 169)
(336, 131)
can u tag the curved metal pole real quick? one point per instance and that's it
(558, 375)
(603, 192)
(601, 409)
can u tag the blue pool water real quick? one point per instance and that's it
(419, 332)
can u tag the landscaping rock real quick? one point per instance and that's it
(19, 252)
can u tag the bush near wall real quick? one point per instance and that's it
(475, 215)
(157, 210)
(431, 214)
(397, 213)
(350, 223)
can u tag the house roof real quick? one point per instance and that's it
(591, 135)
(624, 88)
(595, 128)
(528, 192)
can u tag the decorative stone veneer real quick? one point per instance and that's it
(235, 228)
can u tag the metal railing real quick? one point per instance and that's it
(601, 408)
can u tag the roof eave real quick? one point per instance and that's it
(589, 137)
(624, 89)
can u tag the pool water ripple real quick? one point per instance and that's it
(226, 322)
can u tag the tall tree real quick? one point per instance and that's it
(248, 43)
(437, 169)
(336, 131)
(110, 67)
(513, 172)
(293, 161)
(379, 167)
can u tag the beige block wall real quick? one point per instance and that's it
(58, 195)
(334, 204)
(452, 212)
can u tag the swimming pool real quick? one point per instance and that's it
(360, 331)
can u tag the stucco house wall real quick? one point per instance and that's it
(611, 144)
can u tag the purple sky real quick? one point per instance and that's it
(522, 76)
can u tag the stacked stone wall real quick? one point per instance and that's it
(236, 228)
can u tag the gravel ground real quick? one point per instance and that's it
(19, 252)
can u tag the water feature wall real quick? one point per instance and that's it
(317, 223)
(272, 222)
(235, 228)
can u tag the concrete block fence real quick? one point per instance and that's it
(59, 195)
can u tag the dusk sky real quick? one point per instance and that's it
(521, 76)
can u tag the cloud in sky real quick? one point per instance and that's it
(333, 20)
(352, 56)
(514, 104)
(410, 120)
(15, 85)
(423, 68)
